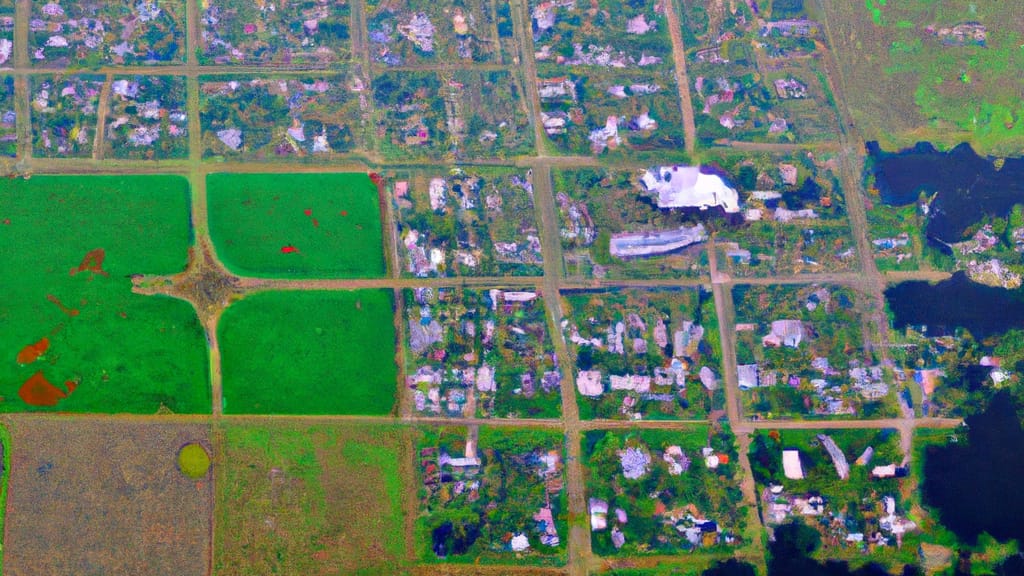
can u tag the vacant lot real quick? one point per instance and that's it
(926, 81)
(311, 499)
(73, 336)
(310, 353)
(105, 498)
(297, 225)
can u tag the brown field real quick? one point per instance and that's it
(312, 499)
(104, 497)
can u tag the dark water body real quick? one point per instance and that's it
(969, 186)
(976, 485)
(956, 303)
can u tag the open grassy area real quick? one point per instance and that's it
(907, 81)
(309, 353)
(105, 497)
(311, 499)
(296, 225)
(74, 337)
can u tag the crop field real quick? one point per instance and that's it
(481, 220)
(309, 352)
(280, 118)
(303, 498)
(929, 79)
(64, 114)
(117, 32)
(465, 114)
(76, 338)
(146, 118)
(595, 205)
(305, 33)
(8, 135)
(82, 494)
(663, 491)
(296, 225)
(424, 31)
(659, 349)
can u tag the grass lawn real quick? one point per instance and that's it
(311, 499)
(84, 340)
(309, 353)
(296, 225)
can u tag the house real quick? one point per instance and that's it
(436, 191)
(688, 187)
(747, 376)
(639, 25)
(788, 172)
(791, 465)
(784, 333)
(787, 88)
(598, 514)
(838, 458)
(561, 88)
(631, 382)
(884, 471)
(606, 137)
(546, 523)
(588, 382)
(631, 245)
(554, 122)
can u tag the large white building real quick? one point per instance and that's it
(688, 187)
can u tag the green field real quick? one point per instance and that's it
(309, 353)
(904, 82)
(98, 346)
(302, 499)
(296, 225)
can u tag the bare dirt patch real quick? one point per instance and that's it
(105, 497)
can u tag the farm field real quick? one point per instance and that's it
(296, 225)
(311, 498)
(76, 338)
(939, 71)
(134, 497)
(309, 352)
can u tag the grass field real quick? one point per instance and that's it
(69, 324)
(311, 499)
(904, 83)
(309, 353)
(296, 225)
(104, 497)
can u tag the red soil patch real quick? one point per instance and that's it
(69, 311)
(316, 224)
(37, 391)
(377, 179)
(289, 250)
(308, 212)
(93, 262)
(344, 212)
(32, 352)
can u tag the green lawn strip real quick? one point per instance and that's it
(309, 353)
(296, 225)
(304, 498)
(122, 352)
